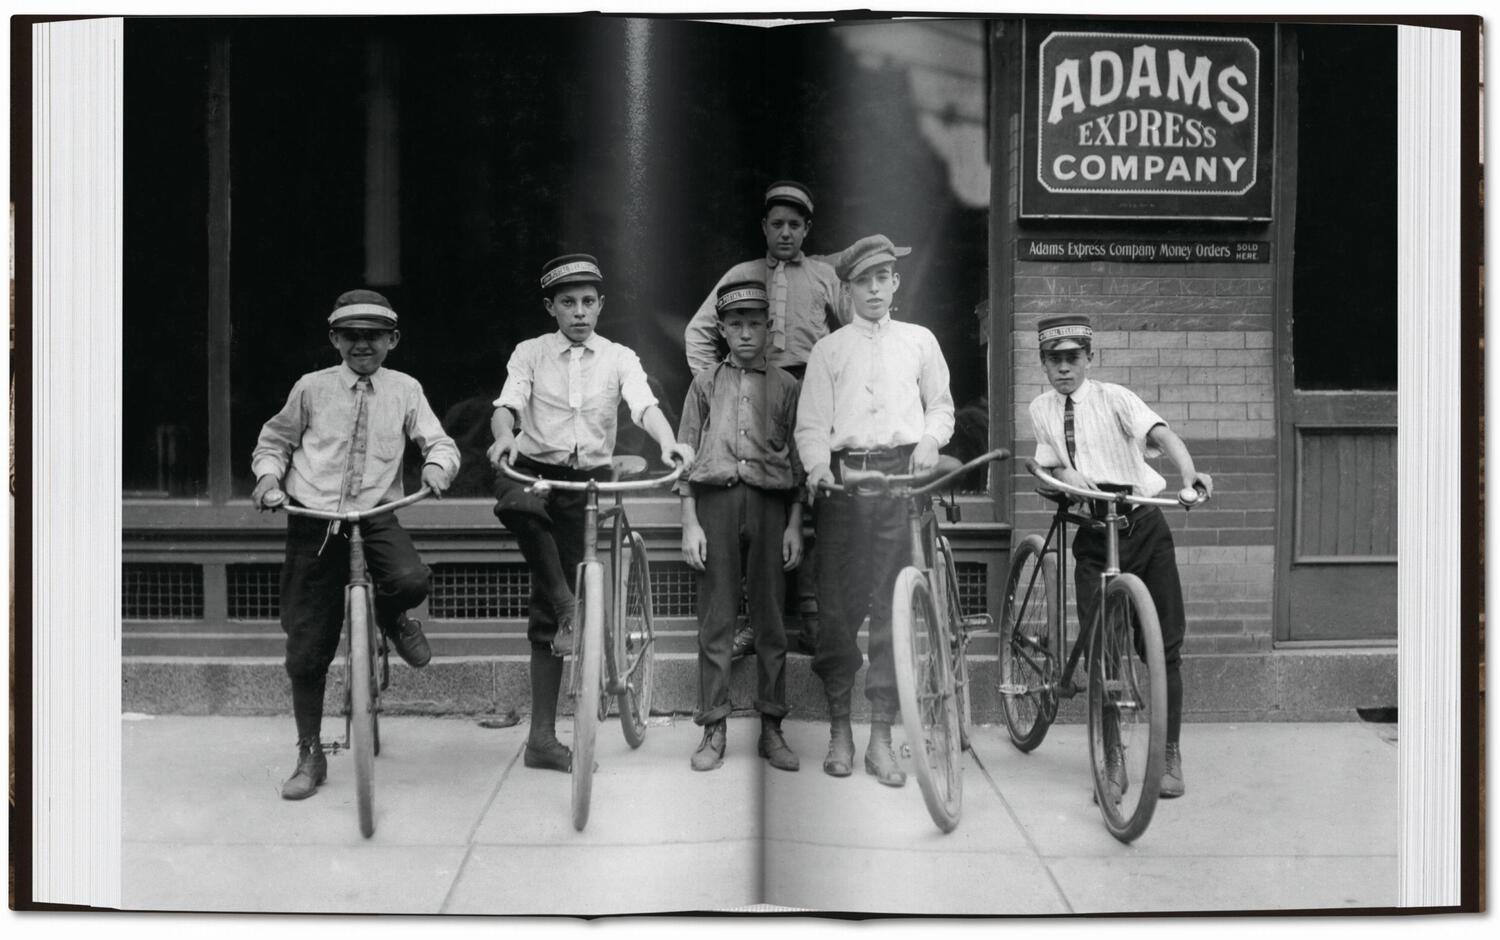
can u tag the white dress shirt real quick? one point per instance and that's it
(1110, 424)
(568, 400)
(871, 385)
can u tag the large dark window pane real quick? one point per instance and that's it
(164, 425)
(1344, 281)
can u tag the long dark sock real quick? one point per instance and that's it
(1174, 704)
(546, 681)
(307, 706)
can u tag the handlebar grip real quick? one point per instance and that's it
(275, 499)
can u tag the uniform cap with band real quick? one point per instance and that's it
(362, 310)
(571, 269)
(1065, 331)
(742, 295)
(790, 193)
(865, 254)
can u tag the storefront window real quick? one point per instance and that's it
(1344, 280)
(653, 156)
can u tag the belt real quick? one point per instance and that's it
(880, 458)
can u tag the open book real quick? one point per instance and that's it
(1272, 227)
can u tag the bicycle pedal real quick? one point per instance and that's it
(975, 622)
(1012, 688)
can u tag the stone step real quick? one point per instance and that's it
(1298, 684)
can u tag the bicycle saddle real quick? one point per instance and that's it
(627, 466)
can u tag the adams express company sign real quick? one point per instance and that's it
(1132, 124)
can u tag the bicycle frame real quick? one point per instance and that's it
(929, 634)
(1112, 521)
(360, 681)
(595, 635)
(359, 576)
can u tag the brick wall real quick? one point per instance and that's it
(1195, 342)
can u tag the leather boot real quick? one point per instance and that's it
(840, 759)
(1171, 778)
(1117, 779)
(710, 752)
(543, 750)
(880, 760)
(410, 642)
(312, 770)
(773, 747)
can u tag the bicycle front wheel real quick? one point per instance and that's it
(1028, 661)
(588, 662)
(634, 636)
(924, 686)
(1127, 708)
(358, 616)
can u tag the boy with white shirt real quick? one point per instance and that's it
(1097, 435)
(557, 412)
(875, 397)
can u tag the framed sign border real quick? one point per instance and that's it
(1031, 138)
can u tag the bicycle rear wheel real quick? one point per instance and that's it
(1029, 665)
(634, 636)
(1127, 706)
(924, 687)
(588, 663)
(358, 616)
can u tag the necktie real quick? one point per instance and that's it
(778, 307)
(354, 468)
(1068, 431)
(575, 392)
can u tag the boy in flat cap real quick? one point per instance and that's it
(804, 296)
(336, 445)
(875, 397)
(1097, 435)
(740, 511)
(557, 415)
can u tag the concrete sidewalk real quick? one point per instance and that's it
(1277, 815)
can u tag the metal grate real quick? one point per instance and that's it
(674, 590)
(479, 591)
(973, 586)
(254, 591)
(162, 592)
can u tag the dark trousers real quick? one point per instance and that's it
(312, 598)
(743, 525)
(550, 535)
(863, 542)
(1147, 551)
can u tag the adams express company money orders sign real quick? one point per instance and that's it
(1142, 120)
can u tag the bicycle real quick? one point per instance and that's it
(612, 656)
(367, 665)
(1125, 674)
(929, 631)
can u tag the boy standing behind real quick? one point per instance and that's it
(875, 397)
(740, 509)
(557, 411)
(337, 445)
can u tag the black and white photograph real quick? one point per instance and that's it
(841, 464)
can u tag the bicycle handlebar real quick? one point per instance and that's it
(580, 486)
(1187, 498)
(876, 481)
(352, 516)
